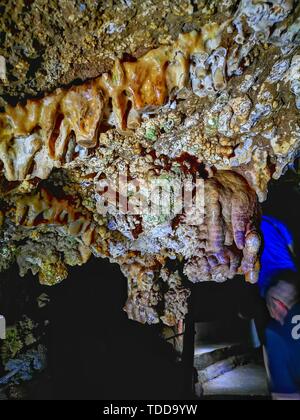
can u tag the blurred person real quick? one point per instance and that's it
(279, 283)
(278, 253)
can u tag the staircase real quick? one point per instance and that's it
(230, 371)
(228, 365)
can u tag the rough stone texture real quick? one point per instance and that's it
(245, 381)
(53, 42)
(218, 102)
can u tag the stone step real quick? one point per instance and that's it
(214, 361)
(220, 368)
(207, 355)
(243, 382)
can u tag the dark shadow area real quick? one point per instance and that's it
(94, 350)
(224, 310)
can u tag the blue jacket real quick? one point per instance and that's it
(283, 348)
(276, 255)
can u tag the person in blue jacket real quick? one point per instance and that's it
(279, 284)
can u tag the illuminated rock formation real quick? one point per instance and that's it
(214, 114)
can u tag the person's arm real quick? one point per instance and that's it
(288, 237)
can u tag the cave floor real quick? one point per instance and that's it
(248, 381)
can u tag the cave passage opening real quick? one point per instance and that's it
(95, 352)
